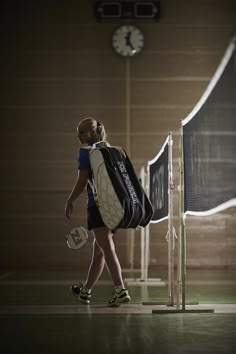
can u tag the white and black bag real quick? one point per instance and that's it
(118, 193)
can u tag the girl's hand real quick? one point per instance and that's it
(68, 208)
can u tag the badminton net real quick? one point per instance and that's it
(209, 144)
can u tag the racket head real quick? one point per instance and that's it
(77, 237)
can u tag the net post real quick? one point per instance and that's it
(147, 228)
(143, 230)
(170, 225)
(181, 255)
(178, 290)
(142, 245)
(182, 234)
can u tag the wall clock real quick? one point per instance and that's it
(128, 40)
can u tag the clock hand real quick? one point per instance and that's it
(127, 38)
(128, 41)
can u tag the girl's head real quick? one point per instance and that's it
(89, 128)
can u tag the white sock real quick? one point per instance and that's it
(119, 288)
(86, 290)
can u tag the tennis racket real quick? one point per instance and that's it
(77, 237)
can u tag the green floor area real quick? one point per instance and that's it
(52, 288)
(60, 294)
(118, 333)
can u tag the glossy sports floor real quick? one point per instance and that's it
(38, 314)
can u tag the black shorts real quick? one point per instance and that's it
(94, 218)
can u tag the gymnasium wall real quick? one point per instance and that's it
(57, 66)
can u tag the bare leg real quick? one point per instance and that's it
(96, 266)
(104, 239)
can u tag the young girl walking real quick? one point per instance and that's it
(91, 131)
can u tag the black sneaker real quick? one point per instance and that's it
(120, 298)
(83, 296)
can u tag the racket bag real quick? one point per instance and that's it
(118, 193)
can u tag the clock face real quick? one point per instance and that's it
(127, 40)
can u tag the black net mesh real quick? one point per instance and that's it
(209, 143)
(158, 172)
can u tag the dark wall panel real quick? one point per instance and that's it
(57, 66)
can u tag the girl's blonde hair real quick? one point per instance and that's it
(94, 126)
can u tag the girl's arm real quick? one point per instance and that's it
(78, 188)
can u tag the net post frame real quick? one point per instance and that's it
(143, 260)
(181, 254)
(181, 264)
(146, 230)
(181, 261)
(171, 233)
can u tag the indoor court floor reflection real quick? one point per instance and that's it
(38, 314)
